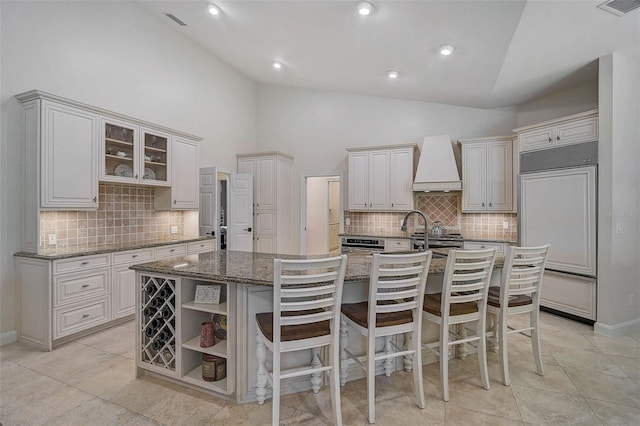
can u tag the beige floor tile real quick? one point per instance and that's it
(63, 367)
(402, 410)
(137, 395)
(469, 393)
(603, 387)
(320, 406)
(107, 375)
(19, 383)
(118, 340)
(250, 414)
(99, 412)
(619, 345)
(181, 408)
(631, 366)
(552, 408)
(455, 416)
(614, 414)
(46, 400)
(593, 361)
(520, 348)
(567, 339)
(524, 373)
(29, 356)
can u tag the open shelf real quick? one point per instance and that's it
(150, 148)
(219, 349)
(195, 377)
(119, 142)
(206, 307)
(117, 157)
(154, 163)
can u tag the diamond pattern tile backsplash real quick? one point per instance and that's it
(125, 214)
(444, 207)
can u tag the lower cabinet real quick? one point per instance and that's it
(62, 299)
(168, 332)
(573, 294)
(501, 248)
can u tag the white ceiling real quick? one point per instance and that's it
(507, 51)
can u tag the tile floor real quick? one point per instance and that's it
(589, 379)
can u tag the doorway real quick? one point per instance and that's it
(322, 213)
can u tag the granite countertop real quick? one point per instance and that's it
(257, 268)
(74, 251)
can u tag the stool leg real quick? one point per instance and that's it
(482, 351)
(371, 377)
(504, 349)
(334, 379)
(462, 347)
(388, 362)
(535, 341)
(261, 382)
(344, 359)
(316, 380)
(493, 343)
(275, 401)
(444, 361)
(418, 383)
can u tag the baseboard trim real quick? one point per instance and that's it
(617, 329)
(8, 337)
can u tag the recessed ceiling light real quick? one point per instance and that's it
(446, 49)
(213, 9)
(277, 65)
(365, 7)
(392, 74)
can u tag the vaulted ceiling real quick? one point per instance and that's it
(506, 52)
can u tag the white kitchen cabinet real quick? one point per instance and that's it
(381, 179)
(123, 280)
(204, 246)
(573, 294)
(487, 175)
(64, 139)
(397, 244)
(501, 248)
(132, 154)
(272, 200)
(572, 129)
(185, 175)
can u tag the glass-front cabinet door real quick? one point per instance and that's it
(120, 153)
(156, 157)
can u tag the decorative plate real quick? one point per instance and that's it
(123, 170)
(149, 174)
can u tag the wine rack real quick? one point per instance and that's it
(158, 322)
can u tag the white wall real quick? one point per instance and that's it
(583, 97)
(619, 194)
(117, 56)
(316, 126)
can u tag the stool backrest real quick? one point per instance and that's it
(467, 277)
(523, 271)
(308, 290)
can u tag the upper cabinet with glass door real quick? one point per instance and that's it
(131, 154)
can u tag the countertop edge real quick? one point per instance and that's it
(114, 249)
(408, 237)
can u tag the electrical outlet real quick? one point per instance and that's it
(619, 228)
(52, 239)
(174, 229)
(347, 221)
(505, 225)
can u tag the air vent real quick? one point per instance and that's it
(620, 7)
(175, 19)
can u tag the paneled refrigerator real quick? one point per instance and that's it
(558, 205)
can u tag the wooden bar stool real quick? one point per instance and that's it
(396, 288)
(519, 292)
(306, 298)
(463, 300)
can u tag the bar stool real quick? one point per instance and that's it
(463, 300)
(396, 288)
(519, 292)
(306, 298)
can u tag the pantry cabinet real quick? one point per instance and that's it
(568, 130)
(271, 173)
(380, 179)
(487, 174)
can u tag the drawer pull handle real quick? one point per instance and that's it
(85, 285)
(134, 255)
(86, 316)
(86, 262)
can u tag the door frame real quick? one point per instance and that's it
(303, 203)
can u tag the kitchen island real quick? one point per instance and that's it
(245, 280)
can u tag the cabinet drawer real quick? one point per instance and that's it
(481, 245)
(577, 131)
(536, 139)
(397, 244)
(80, 285)
(80, 316)
(81, 263)
(201, 246)
(132, 256)
(170, 251)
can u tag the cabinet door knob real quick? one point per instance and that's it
(95, 199)
(490, 204)
(85, 285)
(136, 177)
(86, 316)
(175, 202)
(549, 138)
(482, 204)
(558, 137)
(86, 262)
(134, 255)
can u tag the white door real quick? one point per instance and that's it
(401, 179)
(184, 177)
(474, 172)
(334, 215)
(240, 218)
(358, 181)
(558, 207)
(379, 173)
(208, 201)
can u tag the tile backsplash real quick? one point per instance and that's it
(443, 207)
(125, 214)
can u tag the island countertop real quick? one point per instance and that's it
(257, 268)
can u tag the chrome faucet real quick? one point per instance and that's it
(403, 228)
